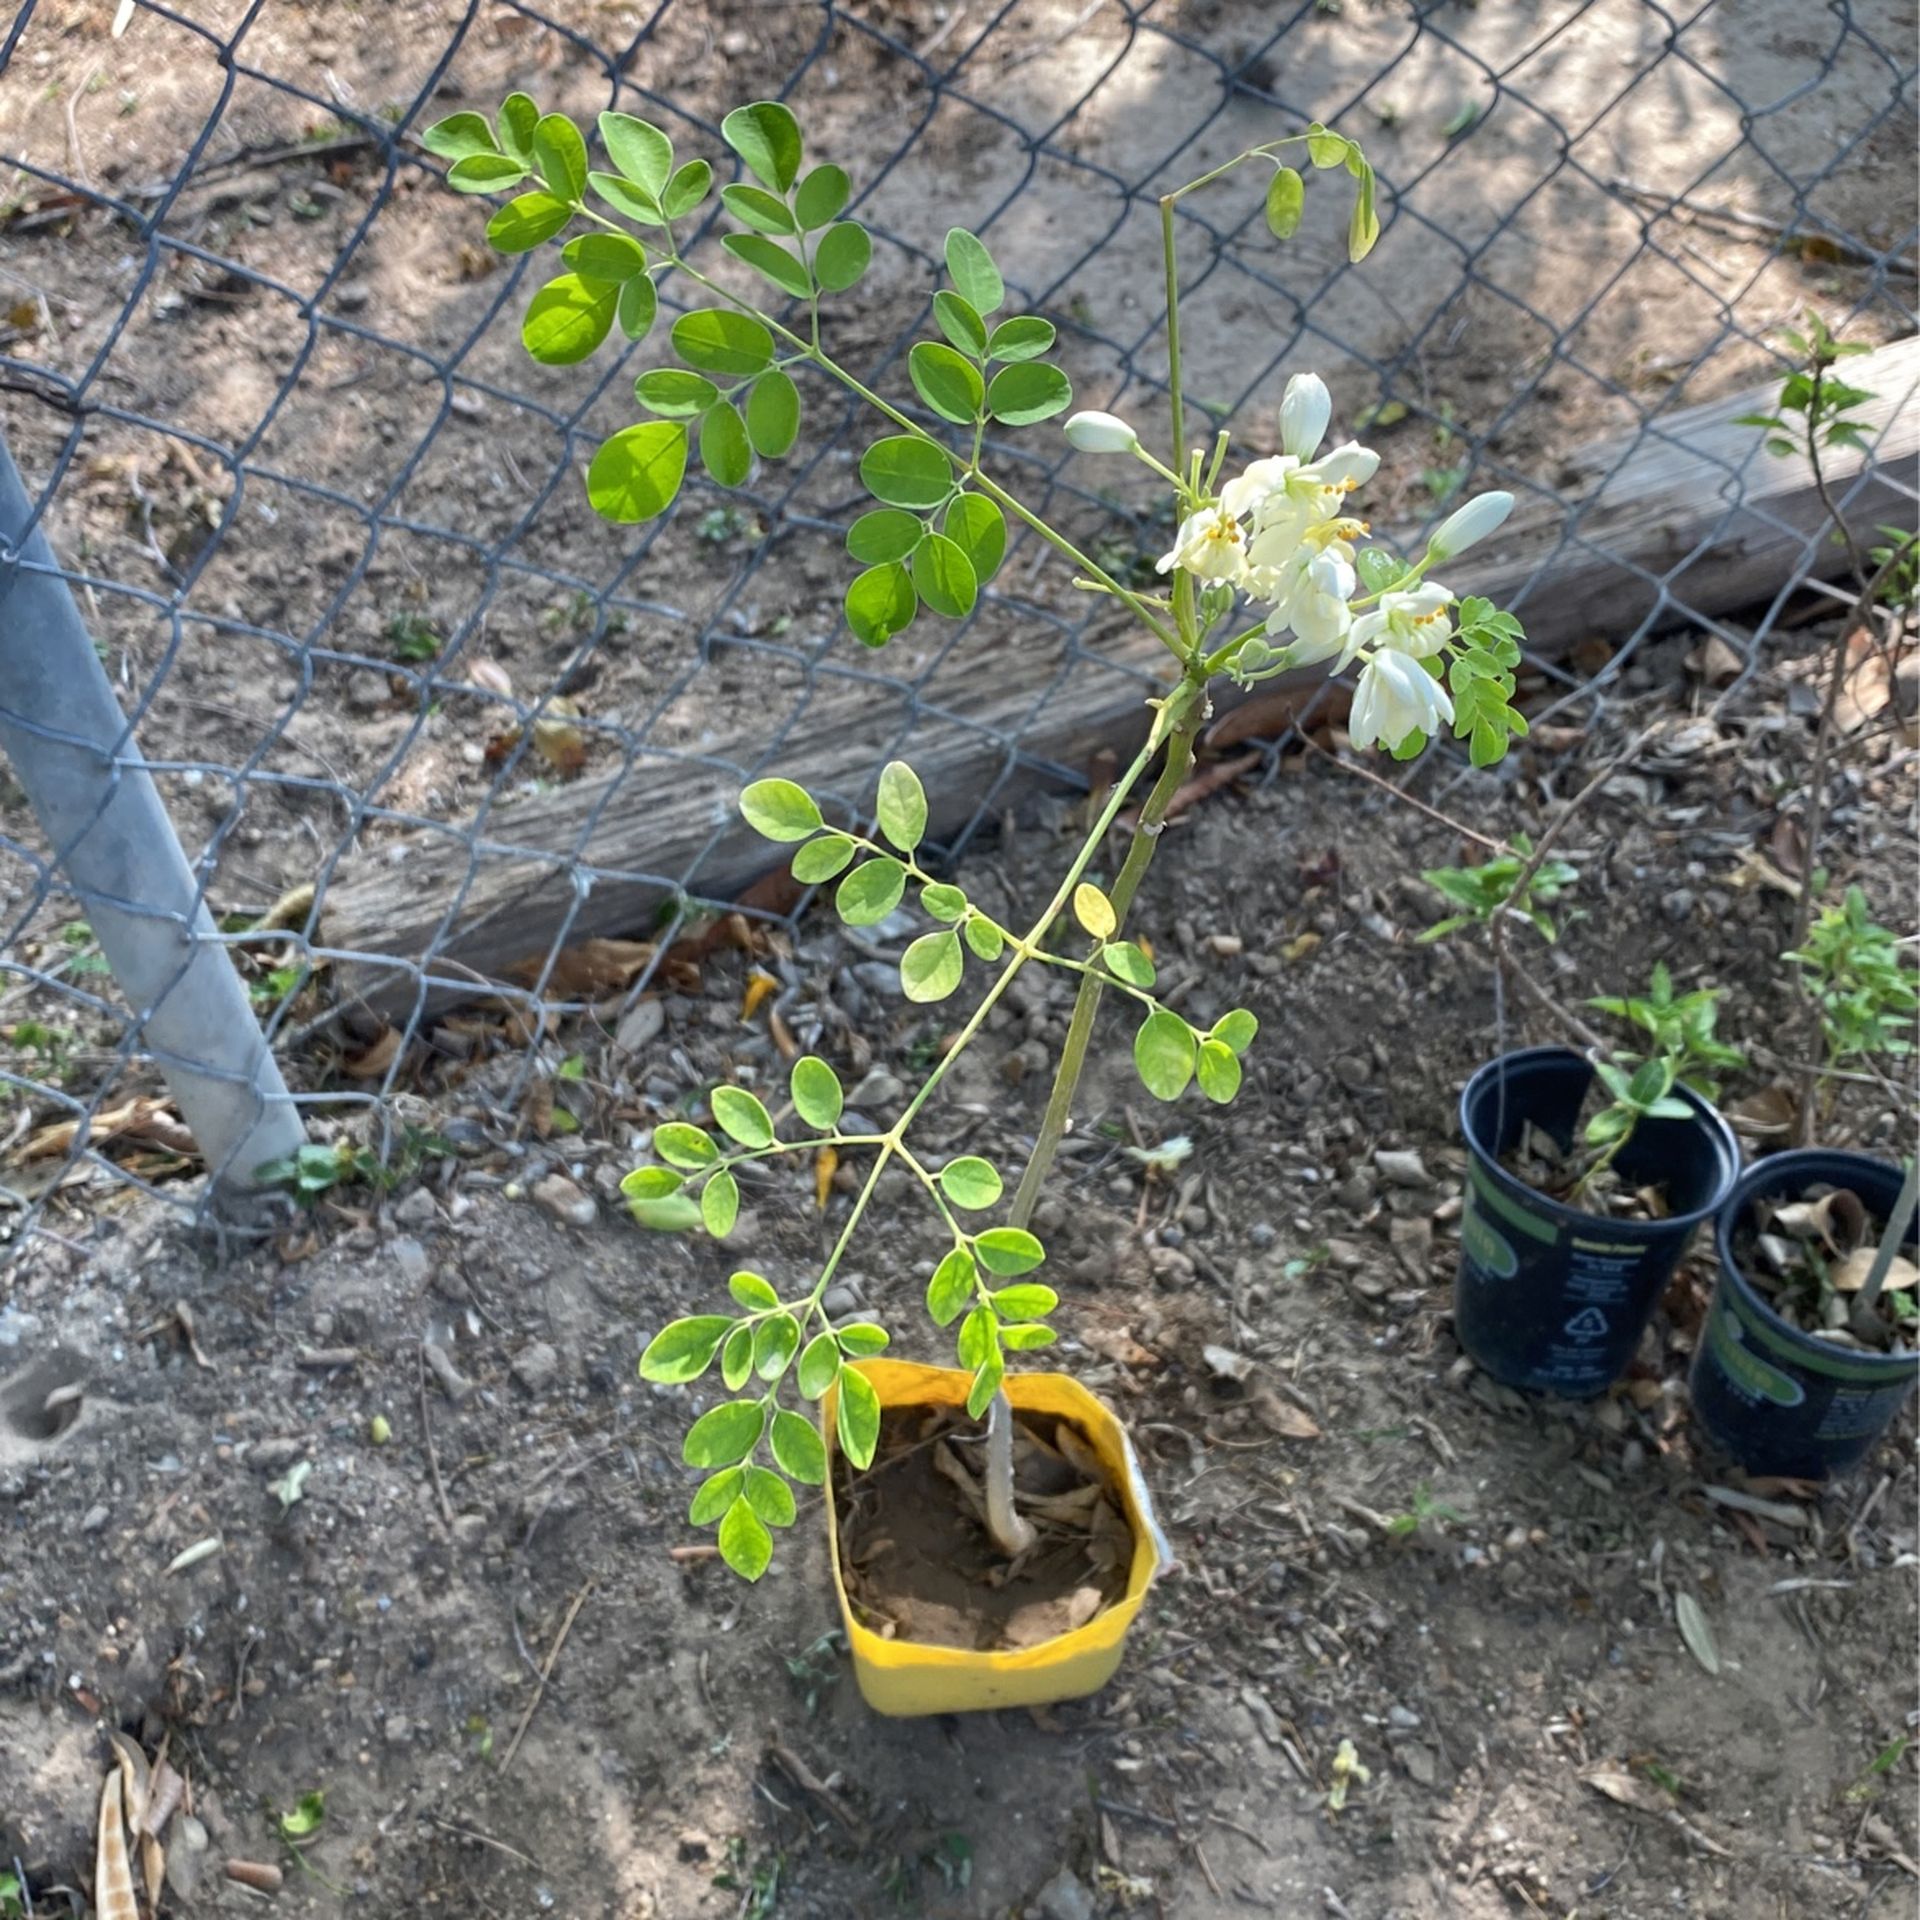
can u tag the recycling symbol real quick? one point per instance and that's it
(1589, 1324)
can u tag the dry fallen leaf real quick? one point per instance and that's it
(490, 677)
(759, 985)
(1714, 662)
(145, 1118)
(1837, 1219)
(1691, 1619)
(1300, 946)
(113, 1895)
(1282, 1416)
(1114, 1343)
(1850, 1274)
(826, 1163)
(587, 969)
(1766, 1115)
(373, 1060)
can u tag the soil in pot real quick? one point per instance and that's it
(1809, 1258)
(915, 1554)
(1578, 1176)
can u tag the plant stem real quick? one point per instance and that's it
(1175, 406)
(1073, 1052)
(1865, 1316)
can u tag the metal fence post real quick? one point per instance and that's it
(62, 729)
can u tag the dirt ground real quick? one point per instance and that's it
(1490, 1659)
(1478, 1590)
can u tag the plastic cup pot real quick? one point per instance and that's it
(1550, 1298)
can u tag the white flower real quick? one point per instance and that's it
(1211, 545)
(1101, 433)
(1310, 592)
(1482, 515)
(1411, 620)
(1396, 696)
(1304, 414)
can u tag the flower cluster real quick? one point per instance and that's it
(1281, 534)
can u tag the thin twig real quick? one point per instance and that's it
(546, 1673)
(486, 1840)
(1367, 774)
(426, 1429)
(1547, 1004)
(1845, 247)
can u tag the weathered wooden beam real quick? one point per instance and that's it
(1634, 531)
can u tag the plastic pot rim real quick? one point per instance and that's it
(1706, 1116)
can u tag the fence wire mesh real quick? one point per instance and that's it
(426, 729)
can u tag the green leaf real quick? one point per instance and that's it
(822, 196)
(943, 576)
(819, 1365)
(567, 319)
(1127, 962)
(931, 967)
(871, 891)
(862, 1337)
(650, 1183)
(947, 381)
(680, 1144)
(984, 938)
(951, 1289)
(684, 1349)
(1669, 1108)
(686, 189)
(1008, 1251)
(741, 1117)
(673, 1214)
(773, 414)
(1286, 197)
(518, 118)
(970, 1182)
(775, 1341)
(767, 137)
(817, 1095)
(798, 1449)
(1219, 1072)
(745, 1544)
(771, 261)
(880, 603)
(485, 173)
(1163, 1051)
(561, 155)
(1326, 149)
(821, 859)
(942, 901)
(736, 1357)
(960, 321)
(638, 150)
(1028, 1301)
(1093, 910)
(906, 471)
(979, 529)
(674, 392)
(975, 277)
(986, 1383)
(762, 211)
(1363, 228)
(637, 307)
(1650, 1082)
(883, 536)
(1021, 394)
(900, 806)
(717, 340)
(770, 1497)
(724, 449)
(605, 258)
(458, 135)
(779, 810)
(1378, 569)
(1025, 337)
(724, 1435)
(1236, 1030)
(857, 1417)
(753, 1290)
(1025, 1339)
(979, 1337)
(624, 197)
(720, 1203)
(635, 475)
(527, 222)
(309, 1811)
(715, 1496)
(842, 256)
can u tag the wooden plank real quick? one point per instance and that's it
(1633, 533)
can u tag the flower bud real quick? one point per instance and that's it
(1101, 433)
(1464, 526)
(1305, 410)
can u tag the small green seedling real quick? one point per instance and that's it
(1486, 890)
(412, 640)
(1645, 1094)
(1681, 1027)
(1862, 983)
(12, 1897)
(1812, 411)
(1425, 1508)
(1898, 559)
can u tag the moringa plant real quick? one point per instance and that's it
(1279, 534)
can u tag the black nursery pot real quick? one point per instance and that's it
(1776, 1398)
(1549, 1298)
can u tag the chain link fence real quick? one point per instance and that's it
(427, 732)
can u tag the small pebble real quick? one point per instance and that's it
(565, 1201)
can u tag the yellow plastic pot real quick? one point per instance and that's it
(905, 1677)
